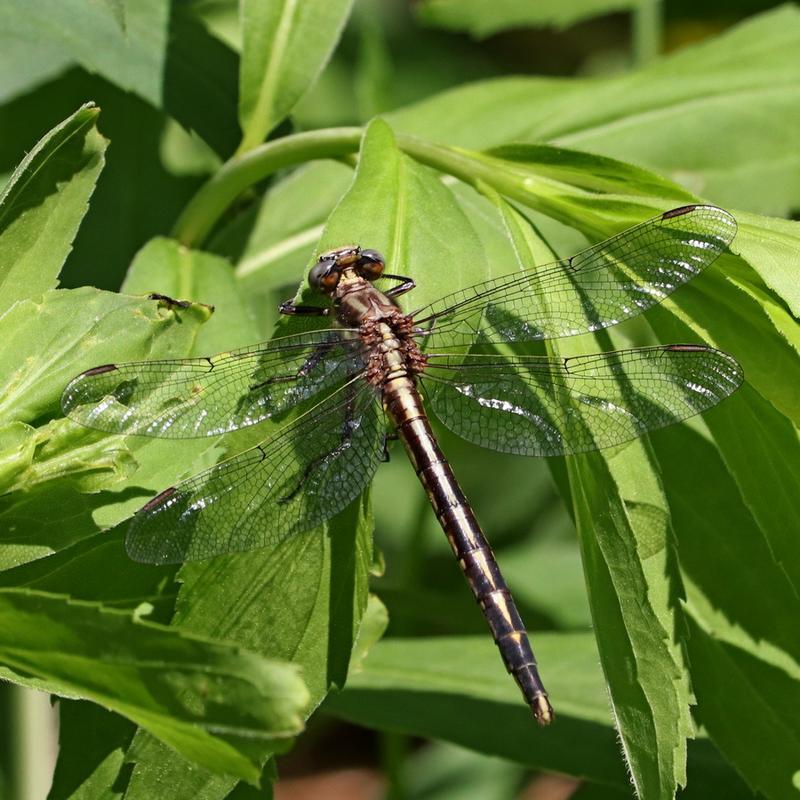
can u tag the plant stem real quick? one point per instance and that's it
(236, 175)
(647, 27)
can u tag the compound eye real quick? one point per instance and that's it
(324, 275)
(370, 264)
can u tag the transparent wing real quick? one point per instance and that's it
(306, 473)
(540, 406)
(208, 396)
(599, 287)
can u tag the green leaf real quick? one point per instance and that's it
(582, 170)
(481, 19)
(288, 224)
(25, 64)
(454, 688)
(302, 601)
(185, 689)
(72, 330)
(741, 601)
(161, 53)
(92, 743)
(68, 332)
(663, 116)
(402, 209)
(648, 689)
(286, 44)
(31, 456)
(772, 246)
(623, 525)
(43, 204)
(169, 268)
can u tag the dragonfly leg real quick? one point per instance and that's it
(290, 308)
(344, 444)
(387, 437)
(317, 355)
(406, 285)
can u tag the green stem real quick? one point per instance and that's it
(394, 750)
(647, 27)
(236, 175)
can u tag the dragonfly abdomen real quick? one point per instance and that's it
(473, 552)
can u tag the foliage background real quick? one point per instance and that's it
(672, 613)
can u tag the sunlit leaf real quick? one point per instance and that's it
(43, 204)
(185, 689)
(667, 116)
(482, 19)
(286, 44)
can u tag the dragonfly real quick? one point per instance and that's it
(341, 388)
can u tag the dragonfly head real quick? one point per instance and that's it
(331, 266)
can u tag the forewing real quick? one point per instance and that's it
(306, 473)
(540, 406)
(599, 287)
(209, 396)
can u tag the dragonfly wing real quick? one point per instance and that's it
(541, 406)
(599, 287)
(309, 471)
(208, 396)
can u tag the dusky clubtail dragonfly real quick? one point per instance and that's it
(373, 361)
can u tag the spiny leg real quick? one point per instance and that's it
(290, 308)
(406, 285)
(318, 353)
(344, 443)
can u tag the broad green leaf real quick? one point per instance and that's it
(31, 456)
(481, 19)
(80, 329)
(302, 602)
(43, 204)
(286, 43)
(72, 330)
(720, 313)
(740, 600)
(403, 210)
(68, 332)
(161, 53)
(713, 306)
(622, 521)
(666, 116)
(25, 64)
(96, 569)
(287, 225)
(648, 691)
(166, 267)
(188, 691)
(581, 170)
(773, 247)
(762, 743)
(449, 689)
(454, 688)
